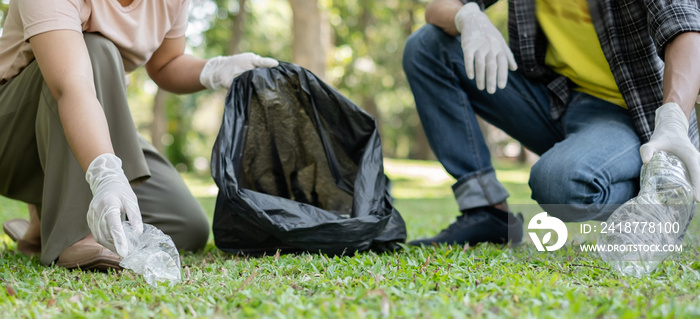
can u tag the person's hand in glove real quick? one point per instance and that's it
(487, 57)
(671, 136)
(219, 72)
(112, 195)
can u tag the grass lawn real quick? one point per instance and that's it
(452, 281)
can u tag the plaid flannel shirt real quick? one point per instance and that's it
(633, 35)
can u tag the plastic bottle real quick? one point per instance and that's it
(657, 217)
(152, 254)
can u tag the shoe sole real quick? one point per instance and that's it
(96, 264)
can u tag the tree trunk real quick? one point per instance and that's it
(159, 125)
(311, 36)
(237, 32)
(420, 148)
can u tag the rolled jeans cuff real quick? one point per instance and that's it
(480, 189)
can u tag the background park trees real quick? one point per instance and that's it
(354, 45)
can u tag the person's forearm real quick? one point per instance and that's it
(85, 126)
(441, 13)
(65, 65)
(682, 71)
(181, 75)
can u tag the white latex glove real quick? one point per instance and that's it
(486, 54)
(218, 72)
(671, 135)
(112, 195)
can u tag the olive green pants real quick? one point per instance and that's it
(38, 167)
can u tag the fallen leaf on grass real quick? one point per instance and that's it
(191, 310)
(249, 279)
(10, 291)
(74, 298)
(479, 309)
(385, 306)
(466, 247)
(188, 275)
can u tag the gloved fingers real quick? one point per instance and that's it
(239, 58)
(264, 62)
(116, 232)
(491, 72)
(491, 76)
(92, 218)
(511, 60)
(694, 171)
(690, 157)
(480, 69)
(99, 226)
(647, 151)
(469, 62)
(133, 214)
(494, 50)
(502, 71)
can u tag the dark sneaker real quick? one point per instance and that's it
(477, 225)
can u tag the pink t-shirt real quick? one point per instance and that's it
(137, 30)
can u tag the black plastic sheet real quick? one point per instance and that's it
(299, 169)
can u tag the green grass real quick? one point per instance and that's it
(453, 281)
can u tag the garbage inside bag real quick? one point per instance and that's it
(299, 168)
(152, 254)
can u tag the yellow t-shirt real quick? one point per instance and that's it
(574, 49)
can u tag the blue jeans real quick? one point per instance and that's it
(589, 159)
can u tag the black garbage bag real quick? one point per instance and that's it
(299, 169)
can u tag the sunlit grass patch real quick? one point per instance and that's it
(489, 281)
